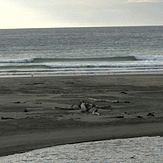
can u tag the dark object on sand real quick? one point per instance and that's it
(121, 116)
(17, 102)
(5, 118)
(26, 110)
(32, 109)
(150, 115)
(83, 106)
(139, 116)
(124, 92)
(88, 107)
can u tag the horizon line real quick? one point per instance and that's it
(66, 27)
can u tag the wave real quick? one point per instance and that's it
(104, 65)
(19, 60)
(149, 57)
(68, 68)
(108, 59)
(86, 65)
(42, 60)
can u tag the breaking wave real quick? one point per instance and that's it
(107, 59)
(69, 66)
(19, 60)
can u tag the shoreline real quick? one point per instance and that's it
(130, 106)
(78, 75)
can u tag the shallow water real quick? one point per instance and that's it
(133, 150)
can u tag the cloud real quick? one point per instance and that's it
(13, 15)
(66, 13)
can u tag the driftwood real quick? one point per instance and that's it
(101, 100)
(150, 114)
(72, 107)
(120, 116)
(86, 107)
(32, 109)
(95, 113)
(5, 118)
(106, 100)
(106, 107)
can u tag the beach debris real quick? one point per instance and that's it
(95, 112)
(26, 110)
(85, 107)
(100, 100)
(6, 118)
(116, 101)
(88, 107)
(36, 83)
(150, 115)
(32, 109)
(17, 102)
(106, 107)
(120, 116)
(133, 157)
(124, 92)
(73, 107)
(139, 116)
(106, 100)
(121, 101)
(38, 103)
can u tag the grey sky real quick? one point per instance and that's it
(72, 13)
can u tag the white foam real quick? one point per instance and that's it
(42, 66)
(133, 150)
(149, 57)
(18, 60)
(148, 63)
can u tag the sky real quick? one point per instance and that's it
(79, 13)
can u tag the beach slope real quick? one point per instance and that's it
(37, 112)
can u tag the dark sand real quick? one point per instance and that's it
(131, 106)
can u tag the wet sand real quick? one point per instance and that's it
(37, 112)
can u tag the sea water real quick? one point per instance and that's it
(81, 51)
(133, 150)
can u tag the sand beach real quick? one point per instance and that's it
(38, 112)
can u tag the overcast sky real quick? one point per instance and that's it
(79, 13)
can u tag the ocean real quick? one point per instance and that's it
(81, 51)
(132, 150)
